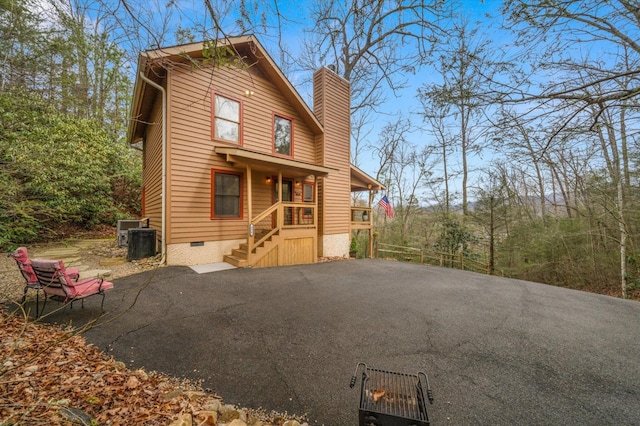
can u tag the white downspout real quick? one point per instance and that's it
(163, 247)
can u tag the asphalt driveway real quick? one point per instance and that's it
(497, 351)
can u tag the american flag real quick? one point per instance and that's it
(384, 203)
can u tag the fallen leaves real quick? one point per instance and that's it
(132, 383)
(49, 375)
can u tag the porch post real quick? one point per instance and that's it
(315, 210)
(249, 194)
(280, 221)
(280, 209)
(370, 227)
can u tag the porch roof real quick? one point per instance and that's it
(360, 181)
(240, 156)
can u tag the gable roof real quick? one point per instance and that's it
(154, 63)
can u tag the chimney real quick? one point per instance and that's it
(332, 107)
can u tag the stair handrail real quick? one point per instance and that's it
(263, 239)
(266, 212)
(277, 206)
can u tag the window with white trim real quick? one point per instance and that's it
(282, 135)
(227, 119)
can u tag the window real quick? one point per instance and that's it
(227, 119)
(307, 192)
(282, 135)
(226, 188)
(307, 197)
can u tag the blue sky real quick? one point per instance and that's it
(290, 32)
(483, 13)
(406, 103)
(191, 13)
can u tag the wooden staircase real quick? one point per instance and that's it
(239, 257)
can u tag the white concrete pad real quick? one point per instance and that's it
(211, 267)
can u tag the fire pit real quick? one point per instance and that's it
(392, 399)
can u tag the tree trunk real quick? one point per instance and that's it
(465, 171)
(492, 230)
(623, 240)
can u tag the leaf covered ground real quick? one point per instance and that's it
(51, 375)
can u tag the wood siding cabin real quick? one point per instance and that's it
(236, 166)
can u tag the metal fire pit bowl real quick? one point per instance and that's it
(392, 399)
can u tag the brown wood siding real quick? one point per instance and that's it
(271, 259)
(321, 203)
(168, 212)
(152, 172)
(318, 109)
(297, 251)
(262, 198)
(192, 149)
(332, 107)
(317, 104)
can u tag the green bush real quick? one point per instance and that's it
(58, 170)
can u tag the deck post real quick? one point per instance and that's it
(280, 221)
(370, 216)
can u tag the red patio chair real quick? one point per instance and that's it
(21, 256)
(58, 284)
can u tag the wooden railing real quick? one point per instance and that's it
(432, 257)
(280, 215)
(299, 215)
(360, 218)
(267, 215)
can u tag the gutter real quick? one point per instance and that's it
(163, 248)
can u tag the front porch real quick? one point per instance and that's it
(282, 209)
(284, 234)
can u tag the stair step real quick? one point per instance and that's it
(235, 261)
(239, 256)
(239, 253)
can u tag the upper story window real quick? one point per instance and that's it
(227, 119)
(282, 135)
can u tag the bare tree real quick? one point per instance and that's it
(611, 132)
(465, 70)
(493, 207)
(585, 86)
(435, 115)
(374, 44)
(403, 168)
(392, 136)
(522, 143)
(563, 36)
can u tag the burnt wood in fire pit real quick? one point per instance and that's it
(392, 399)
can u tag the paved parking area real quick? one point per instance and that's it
(497, 351)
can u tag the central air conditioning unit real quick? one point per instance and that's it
(142, 243)
(123, 231)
